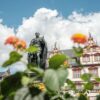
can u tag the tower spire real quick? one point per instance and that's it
(55, 50)
(55, 45)
(90, 36)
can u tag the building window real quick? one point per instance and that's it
(96, 86)
(93, 71)
(76, 73)
(86, 58)
(97, 58)
(79, 86)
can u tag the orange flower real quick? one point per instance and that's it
(11, 40)
(79, 38)
(16, 43)
(21, 44)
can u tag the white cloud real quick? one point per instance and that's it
(53, 27)
(4, 33)
(56, 28)
(6, 49)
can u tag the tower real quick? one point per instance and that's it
(54, 51)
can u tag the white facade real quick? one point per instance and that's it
(91, 62)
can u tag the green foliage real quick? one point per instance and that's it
(82, 97)
(35, 69)
(11, 84)
(98, 97)
(54, 79)
(67, 95)
(62, 76)
(20, 85)
(14, 57)
(78, 51)
(32, 49)
(51, 80)
(56, 61)
(25, 80)
(1, 97)
(71, 84)
(97, 79)
(88, 86)
(86, 77)
(32, 93)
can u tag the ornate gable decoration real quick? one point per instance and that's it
(91, 46)
(54, 51)
(91, 52)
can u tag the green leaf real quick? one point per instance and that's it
(78, 51)
(71, 84)
(51, 80)
(82, 97)
(32, 49)
(34, 91)
(62, 75)
(67, 96)
(23, 94)
(88, 86)
(98, 97)
(97, 79)
(11, 84)
(14, 57)
(26, 93)
(25, 80)
(36, 69)
(1, 97)
(86, 77)
(56, 61)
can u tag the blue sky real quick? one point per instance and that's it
(12, 11)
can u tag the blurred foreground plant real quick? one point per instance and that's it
(37, 84)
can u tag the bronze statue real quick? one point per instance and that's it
(38, 58)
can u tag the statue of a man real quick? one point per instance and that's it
(39, 58)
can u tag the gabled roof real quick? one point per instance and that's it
(69, 52)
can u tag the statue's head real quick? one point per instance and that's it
(37, 34)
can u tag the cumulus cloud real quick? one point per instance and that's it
(6, 49)
(4, 33)
(54, 28)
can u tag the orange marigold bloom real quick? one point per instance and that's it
(21, 44)
(79, 38)
(11, 40)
